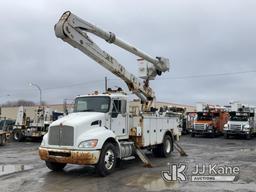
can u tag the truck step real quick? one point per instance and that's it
(128, 158)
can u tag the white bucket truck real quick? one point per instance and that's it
(102, 130)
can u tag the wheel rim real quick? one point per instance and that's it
(16, 135)
(109, 159)
(167, 146)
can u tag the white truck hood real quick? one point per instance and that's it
(238, 122)
(79, 119)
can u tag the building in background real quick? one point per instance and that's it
(11, 112)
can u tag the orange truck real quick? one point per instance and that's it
(209, 121)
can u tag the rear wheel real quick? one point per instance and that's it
(164, 149)
(55, 166)
(107, 161)
(18, 135)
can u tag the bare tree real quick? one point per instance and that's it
(18, 103)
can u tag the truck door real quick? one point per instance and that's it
(119, 120)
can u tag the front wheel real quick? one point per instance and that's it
(212, 135)
(2, 139)
(17, 135)
(226, 136)
(55, 166)
(248, 136)
(107, 161)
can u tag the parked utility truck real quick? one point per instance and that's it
(101, 130)
(242, 121)
(35, 127)
(6, 126)
(210, 120)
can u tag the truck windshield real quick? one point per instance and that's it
(204, 116)
(238, 118)
(92, 104)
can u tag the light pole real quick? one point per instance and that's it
(40, 90)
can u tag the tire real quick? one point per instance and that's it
(17, 135)
(2, 139)
(226, 136)
(192, 134)
(165, 149)
(212, 135)
(55, 166)
(248, 136)
(107, 161)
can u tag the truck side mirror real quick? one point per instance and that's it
(114, 114)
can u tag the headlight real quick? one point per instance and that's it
(246, 126)
(226, 127)
(88, 143)
(209, 127)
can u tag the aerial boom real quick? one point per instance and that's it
(73, 30)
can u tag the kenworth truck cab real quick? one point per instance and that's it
(102, 130)
(242, 121)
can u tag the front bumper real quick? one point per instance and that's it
(69, 156)
(233, 132)
(202, 132)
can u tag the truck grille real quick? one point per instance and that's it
(61, 135)
(199, 126)
(235, 127)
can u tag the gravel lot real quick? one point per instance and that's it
(22, 170)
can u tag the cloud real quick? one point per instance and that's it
(200, 37)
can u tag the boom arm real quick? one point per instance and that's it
(73, 30)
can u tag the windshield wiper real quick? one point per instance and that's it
(86, 110)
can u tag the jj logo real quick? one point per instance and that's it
(175, 172)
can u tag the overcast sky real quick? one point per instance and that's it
(200, 37)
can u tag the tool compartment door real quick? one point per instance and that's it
(153, 131)
(161, 125)
(146, 132)
(150, 131)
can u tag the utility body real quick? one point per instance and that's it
(210, 120)
(102, 129)
(242, 121)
